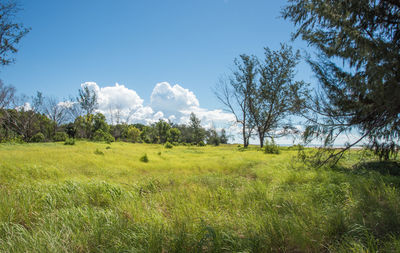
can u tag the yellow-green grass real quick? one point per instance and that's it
(91, 198)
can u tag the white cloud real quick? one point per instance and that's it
(171, 99)
(167, 102)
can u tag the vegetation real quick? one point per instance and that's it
(363, 92)
(263, 94)
(208, 199)
(10, 32)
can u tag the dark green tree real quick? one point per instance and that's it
(358, 67)
(198, 131)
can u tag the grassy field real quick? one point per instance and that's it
(95, 197)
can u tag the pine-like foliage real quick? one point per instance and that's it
(358, 67)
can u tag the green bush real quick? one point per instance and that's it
(39, 137)
(144, 158)
(100, 135)
(270, 147)
(168, 145)
(60, 136)
(98, 152)
(201, 144)
(69, 141)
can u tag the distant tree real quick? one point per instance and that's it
(212, 137)
(235, 93)
(223, 137)
(100, 123)
(10, 32)
(162, 130)
(54, 111)
(87, 100)
(174, 135)
(276, 95)
(133, 134)
(7, 95)
(358, 68)
(197, 130)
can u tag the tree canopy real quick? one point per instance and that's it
(358, 67)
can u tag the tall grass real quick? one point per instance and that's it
(57, 198)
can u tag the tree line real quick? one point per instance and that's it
(46, 119)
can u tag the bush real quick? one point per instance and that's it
(201, 144)
(168, 145)
(144, 158)
(60, 136)
(271, 147)
(108, 147)
(69, 141)
(39, 137)
(100, 135)
(98, 152)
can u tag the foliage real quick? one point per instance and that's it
(69, 141)
(133, 134)
(39, 137)
(60, 136)
(362, 93)
(235, 93)
(144, 158)
(168, 145)
(100, 135)
(10, 32)
(271, 147)
(197, 130)
(87, 99)
(98, 152)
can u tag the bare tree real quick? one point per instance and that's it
(55, 111)
(235, 93)
(7, 95)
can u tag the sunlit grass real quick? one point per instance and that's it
(61, 198)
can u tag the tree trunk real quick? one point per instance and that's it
(261, 137)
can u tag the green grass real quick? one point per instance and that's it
(60, 198)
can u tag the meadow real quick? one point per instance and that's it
(98, 197)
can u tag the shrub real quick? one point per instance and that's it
(100, 135)
(60, 136)
(39, 137)
(108, 147)
(201, 144)
(144, 158)
(98, 152)
(168, 145)
(271, 147)
(69, 141)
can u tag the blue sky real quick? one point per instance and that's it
(140, 44)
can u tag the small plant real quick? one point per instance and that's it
(144, 158)
(168, 145)
(108, 147)
(201, 144)
(39, 137)
(271, 147)
(60, 136)
(69, 141)
(98, 152)
(159, 153)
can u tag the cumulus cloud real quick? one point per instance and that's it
(172, 98)
(167, 102)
